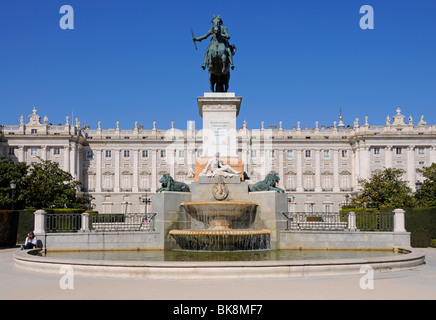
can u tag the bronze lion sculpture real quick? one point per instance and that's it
(268, 184)
(169, 184)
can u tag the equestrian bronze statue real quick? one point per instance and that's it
(219, 55)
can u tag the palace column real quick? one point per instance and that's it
(336, 187)
(411, 166)
(364, 162)
(153, 170)
(73, 149)
(388, 156)
(78, 163)
(318, 171)
(117, 171)
(299, 172)
(135, 186)
(20, 155)
(172, 153)
(282, 182)
(44, 153)
(432, 154)
(356, 156)
(67, 158)
(98, 171)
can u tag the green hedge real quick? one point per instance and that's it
(8, 228)
(421, 223)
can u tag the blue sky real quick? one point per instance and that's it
(300, 60)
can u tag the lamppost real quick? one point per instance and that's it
(146, 201)
(13, 186)
(418, 185)
(290, 200)
(347, 198)
(125, 204)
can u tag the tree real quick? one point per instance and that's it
(47, 186)
(428, 191)
(11, 171)
(385, 190)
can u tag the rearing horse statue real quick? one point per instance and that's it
(218, 56)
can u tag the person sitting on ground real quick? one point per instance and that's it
(30, 242)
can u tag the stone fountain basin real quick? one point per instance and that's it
(222, 240)
(222, 215)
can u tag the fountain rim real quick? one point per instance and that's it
(230, 232)
(219, 270)
(219, 202)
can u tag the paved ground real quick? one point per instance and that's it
(419, 283)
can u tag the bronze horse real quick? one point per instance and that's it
(219, 56)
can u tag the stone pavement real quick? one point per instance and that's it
(419, 283)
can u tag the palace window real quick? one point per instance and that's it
(56, 151)
(90, 182)
(327, 183)
(307, 154)
(108, 153)
(344, 154)
(34, 151)
(126, 182)
(126, 153)
(290, 154)
(145, 153)
(308, 183)
(326, 154)
(377, 150)
(398, 151)
(107, 181)
(163, 153)
(145, 182)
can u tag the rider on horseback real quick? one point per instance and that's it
(221, 35)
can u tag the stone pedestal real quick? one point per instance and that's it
(219, 111)
(170, 215)
(270, 212)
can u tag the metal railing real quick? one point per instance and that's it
(63, 222)
(314, 221)
(74, 222)
(359, 221)
(123, 222)
(375, 221)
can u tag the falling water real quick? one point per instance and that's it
(227, 226)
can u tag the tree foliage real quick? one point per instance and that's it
(40, 185)
(385, 190)
(10, 171)
(428, 191)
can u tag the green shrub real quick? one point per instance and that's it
(8, 228)
(421, 223)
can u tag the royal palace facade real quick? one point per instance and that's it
(318, 167)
